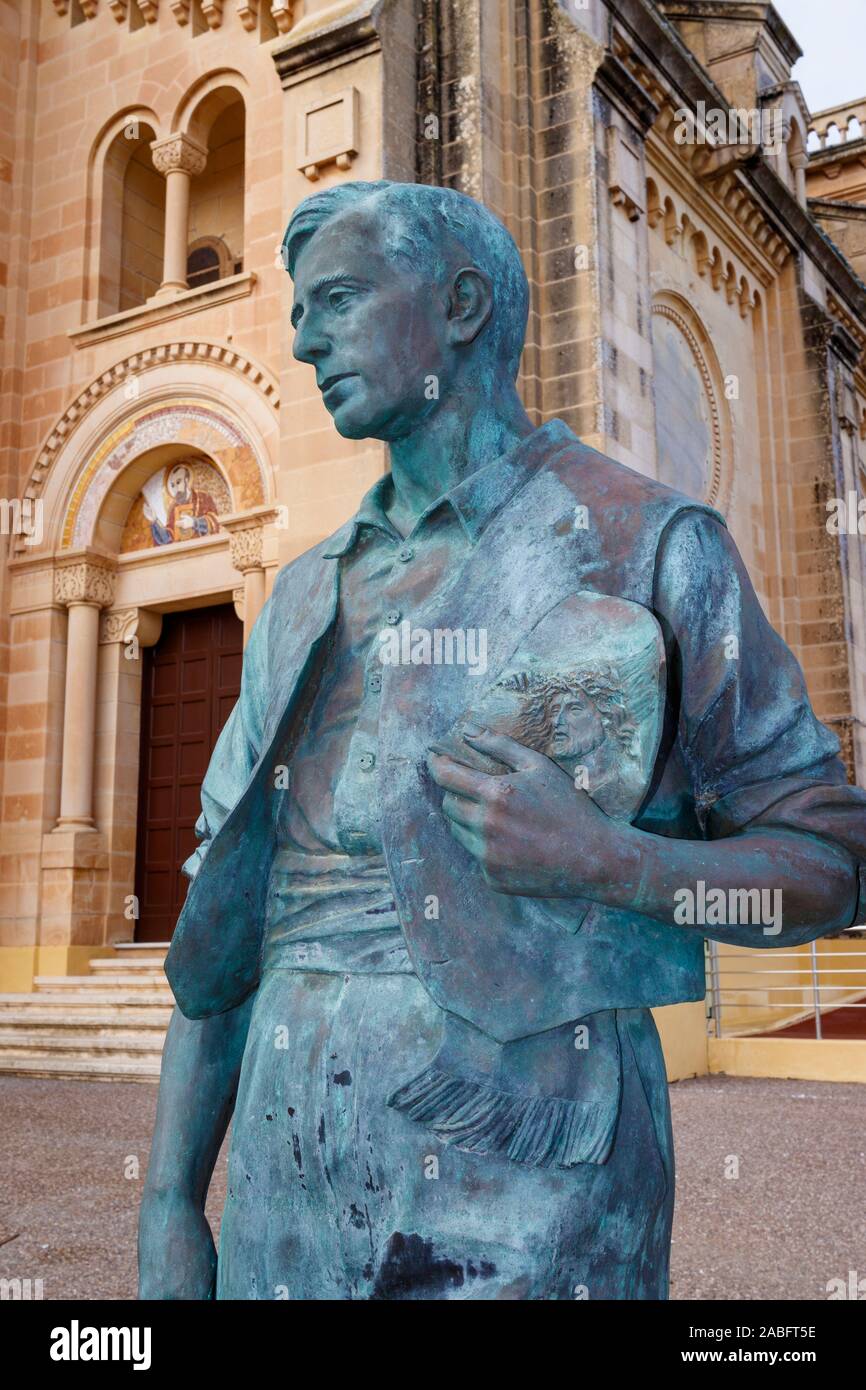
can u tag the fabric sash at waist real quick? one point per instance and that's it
(332, 912)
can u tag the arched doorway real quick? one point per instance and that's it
(157, 504)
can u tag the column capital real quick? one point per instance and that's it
(122, 625)
(179, 151)
(246, 536)
(85, 577)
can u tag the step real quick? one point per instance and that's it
(135, 946)
(107, 965)
(100, 1015)
(87, 998)
(128, 1025)
(51, 984)
(14, 1040)
(81, 1068)
(33, 1043)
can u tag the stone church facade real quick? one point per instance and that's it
(695, 240)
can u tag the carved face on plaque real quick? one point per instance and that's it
(586, 688)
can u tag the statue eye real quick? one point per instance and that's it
(339, 297)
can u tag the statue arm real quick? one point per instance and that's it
(202, 1058)
(201, 1064)
(769, 786)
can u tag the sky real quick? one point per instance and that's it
(832, 35)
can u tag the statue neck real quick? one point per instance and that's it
(456, 439)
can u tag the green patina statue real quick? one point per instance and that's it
(487, 731)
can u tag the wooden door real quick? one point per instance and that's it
(190, 682)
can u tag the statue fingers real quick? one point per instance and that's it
(462, 811)
(455, 777)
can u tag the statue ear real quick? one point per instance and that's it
(470, 304)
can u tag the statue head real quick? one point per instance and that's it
(405, 295)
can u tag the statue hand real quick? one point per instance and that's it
(176, 1253)
(532, 831)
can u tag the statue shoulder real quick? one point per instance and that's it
(295, 578)
(582, 469)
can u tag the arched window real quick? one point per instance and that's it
(202, 266)
(209, 259)
(132, 223)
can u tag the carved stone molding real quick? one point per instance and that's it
(282, 13)
(620, 87)
(85, 579)
(682, 233)
(719, 483)
(179, 152)
(246, 536)
(149, 10)
(349, 35)
(213, 12)
(120, 9)
(180, 10)
(716, 168)
(122, 624)
(156, 312)
(855, 330)
(245, 548)
(248, 13)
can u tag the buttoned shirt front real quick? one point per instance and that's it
(332, 801)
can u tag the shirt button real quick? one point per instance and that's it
(405, 553)
(374, 680)
(366, 761)
(392, 617)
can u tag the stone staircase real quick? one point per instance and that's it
(106, 1026)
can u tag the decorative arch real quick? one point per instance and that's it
(112, 413)
(206, 99)
(676, 311)
(98, 506)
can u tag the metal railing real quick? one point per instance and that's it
(807, 997)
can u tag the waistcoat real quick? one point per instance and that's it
(509, 966)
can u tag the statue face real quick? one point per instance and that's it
(576, 726)
(373, 328)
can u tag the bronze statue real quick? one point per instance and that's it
(418, 953)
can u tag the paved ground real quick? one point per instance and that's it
(74, 1155)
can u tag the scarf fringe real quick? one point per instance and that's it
(541, 1131)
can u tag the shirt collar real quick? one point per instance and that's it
(476, 500)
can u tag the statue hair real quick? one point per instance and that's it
(432, 227)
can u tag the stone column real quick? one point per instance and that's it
(246, 540)
(798, 164)
(123, 636)
(178, 158)
(84, 586)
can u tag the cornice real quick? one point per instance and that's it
(327, 39)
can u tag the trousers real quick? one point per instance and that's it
(334, 1195)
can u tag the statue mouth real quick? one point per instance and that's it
(331, 381)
